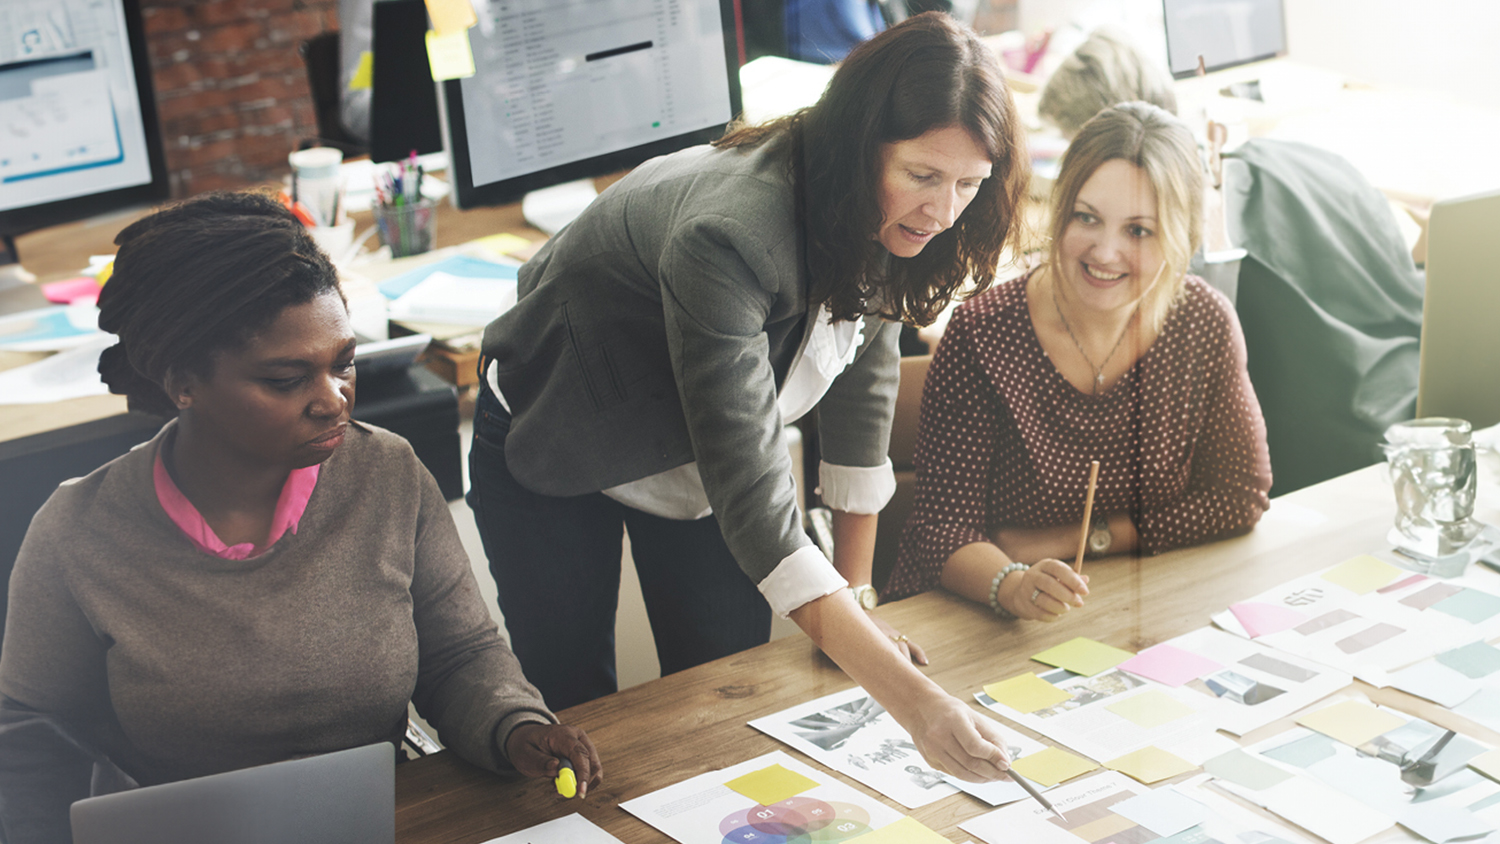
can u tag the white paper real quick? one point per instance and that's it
(570, 829)
(703, 810)
(66, 375)
(1033, 824)
(1164, 811)
(1435, 682)
(449, 299)
(1329, 814)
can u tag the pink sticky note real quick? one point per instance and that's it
(1260, 619)
(71, 290)
(1169, 665)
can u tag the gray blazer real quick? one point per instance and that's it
(656, 330)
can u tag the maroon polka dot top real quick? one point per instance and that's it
(1005, 440)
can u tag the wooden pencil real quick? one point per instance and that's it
(1088, 515)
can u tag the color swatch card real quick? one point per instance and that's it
(1115, 712)
(727, 805)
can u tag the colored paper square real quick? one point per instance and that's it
(364, 72)
(1487, 763)
(1026, 693)
(1164, 811)
(1101, 829)
(1333, 618)
(1150, 709)
(1150, 764)
(1362, 574)
(1304, 752)
(1169, 666)
(1431, 595)
(1471, 605)
(450, 15)
(72, 290)
(1402, 584)
(1369, 637)
(905, 831)
(503, 243)
(1083, 656)
(1051, 766)
(449, 55)
(1352, 722)
(1245, 770)
(1264, 619)
(1476, 660)
(771, 785)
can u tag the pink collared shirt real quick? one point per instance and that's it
(289, 509)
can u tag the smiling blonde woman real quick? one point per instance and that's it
(1107, 351)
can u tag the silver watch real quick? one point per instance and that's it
(1099, 536)
(865, 595)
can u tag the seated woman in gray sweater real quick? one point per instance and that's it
(264, 579)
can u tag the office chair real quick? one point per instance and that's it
(321, 55)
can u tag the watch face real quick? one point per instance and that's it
(866, 596)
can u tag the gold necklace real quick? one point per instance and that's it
(1098, 370)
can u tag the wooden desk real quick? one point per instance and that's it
(685, 724)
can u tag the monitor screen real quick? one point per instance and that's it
(76, 111)
(1224, 32)
(403, 99)
(566, 89)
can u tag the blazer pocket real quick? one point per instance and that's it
(597, 366)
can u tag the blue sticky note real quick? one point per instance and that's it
(1471, 605)
(1475, 660)
(460, 265)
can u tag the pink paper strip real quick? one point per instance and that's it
(1401, 584)
(71, 290)
(1169, 665)
(1261, 619)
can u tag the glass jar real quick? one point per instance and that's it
(1434, 476)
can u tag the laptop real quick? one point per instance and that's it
(1461, 312)
(348, 796)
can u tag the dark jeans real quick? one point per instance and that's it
(556, 562)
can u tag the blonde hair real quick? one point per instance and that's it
(1104, 70)
(1163, 148)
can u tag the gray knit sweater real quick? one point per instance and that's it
(173, 663)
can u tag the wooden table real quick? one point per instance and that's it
(685, 724)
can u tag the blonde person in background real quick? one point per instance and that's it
(1105, 69)
(1107, 351)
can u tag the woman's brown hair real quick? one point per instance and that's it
(925, 73)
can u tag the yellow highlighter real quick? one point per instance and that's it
(566, 781)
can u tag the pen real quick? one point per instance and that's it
(1036, 795)
(567, 781)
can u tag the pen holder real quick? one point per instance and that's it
(409, 228)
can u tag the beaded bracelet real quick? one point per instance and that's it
(995, 589)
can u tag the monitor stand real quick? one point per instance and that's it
(549, 209)
(10, 263)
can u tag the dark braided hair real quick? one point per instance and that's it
(196, 278)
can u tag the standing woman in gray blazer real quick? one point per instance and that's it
(663, 340)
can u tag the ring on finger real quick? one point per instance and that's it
(899, 639)
(1034, 594)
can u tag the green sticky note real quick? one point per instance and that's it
(1051, 766)
(1026, 693)
(364, 74)
(1150, 764)
(1362, 574)
(1150, 709)
(904, 831)
(1242, 769)
(1352, 722)
(771, 785)
(451, 15)
(1476, 660)
(1471, 605)
(449, 55)
(1083, 656)
(1304, 752)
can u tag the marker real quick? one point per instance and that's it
(1037, 795)
(567, 781)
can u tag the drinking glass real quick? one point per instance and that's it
(1434, 475)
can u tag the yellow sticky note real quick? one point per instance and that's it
(449, 16)
(1103, 828)
(364, 74)
(449, 55)
(1362, 574)
(1051, 766)
(1150, 709)
(1352, 722)
(771, 785)
(503, 243)
(1487, 763)
(1150, 764)
(904, 831)
(1083, 656)
(1026, 693)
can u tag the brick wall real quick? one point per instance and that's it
(231, 88)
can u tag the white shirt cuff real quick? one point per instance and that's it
(804, 575)
(856, 489)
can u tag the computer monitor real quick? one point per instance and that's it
(567, 89)
(1460, 346)
(403, 98)
(77, 113)
(1224, 32)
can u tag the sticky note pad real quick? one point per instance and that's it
(451, 15)
(1263, 619)
(1150, 709)
(449, 55)
(904, 831)
(1487, 763)
(771, 785)
(1245, 770)
(1169, 666)
(1083, 656)
(1150, 764)
(1026, 693)
(1352, 722)
(1051, 766)
(502, 243)
(1362, 574)
(364, 72)
(1474, 660)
